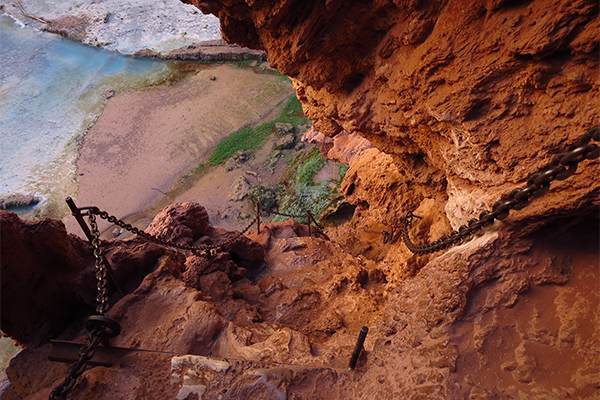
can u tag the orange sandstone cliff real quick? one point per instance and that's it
(462, 101)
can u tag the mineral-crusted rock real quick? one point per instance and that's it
(285, 142)
(219, 316)
(463, 102)
(128, 27)
(344, 147)
(48, 276)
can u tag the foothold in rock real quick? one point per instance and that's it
(106, 17)
(109, 93)
(116, 232)
(193, 11)
(212, 78)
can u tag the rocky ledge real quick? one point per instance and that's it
(462, 103)
(276, 313)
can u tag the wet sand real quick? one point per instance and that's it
(144, 141)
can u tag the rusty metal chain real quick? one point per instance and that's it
(204, 250)
(86, 353)
(308, 216)
(100, 327)
(102, 296)
(283, 214)
(561, 167)
(392, 236)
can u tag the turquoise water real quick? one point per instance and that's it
(51, 91)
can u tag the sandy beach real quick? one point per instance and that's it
(146, 140)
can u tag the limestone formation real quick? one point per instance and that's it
(462, 101)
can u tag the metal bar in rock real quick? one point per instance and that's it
(76, 212)
(359, 346)
(257, 217)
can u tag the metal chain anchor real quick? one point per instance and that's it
(101, 328)
(561, 167)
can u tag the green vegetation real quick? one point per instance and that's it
(251, 137)
(343, 170)
(303, 193)
(265, 196)
(243, 63)
(292, 112)
(244, 139)
(307, 170)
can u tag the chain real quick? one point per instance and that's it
(102, 296)
(86, 353)
(308, 215)
(283, 214)
(204, 250)
(100, 327)
(561, 167)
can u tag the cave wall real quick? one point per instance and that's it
(463, 101)
(465, 96)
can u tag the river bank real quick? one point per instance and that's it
(168, 29)
(144, 141)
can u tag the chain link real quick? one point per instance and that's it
(102, 293)
(308, 216)
(204, 250)
(100, 331)
(86, 353)
(561, 167)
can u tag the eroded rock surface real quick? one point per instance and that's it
(462, 101)
(464, 96)
(282, 315)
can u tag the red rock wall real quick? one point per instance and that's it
(464, 95)
(463, 101)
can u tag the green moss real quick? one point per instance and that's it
(243, 63)
(251, 137)
(343, 170)
(292, 112)
(303, 193)
(265, 196)
(308, 169)
(244, 139)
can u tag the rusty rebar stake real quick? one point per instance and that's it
(308, 221)
(76, 212)
(257, 217)
(359, 346)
